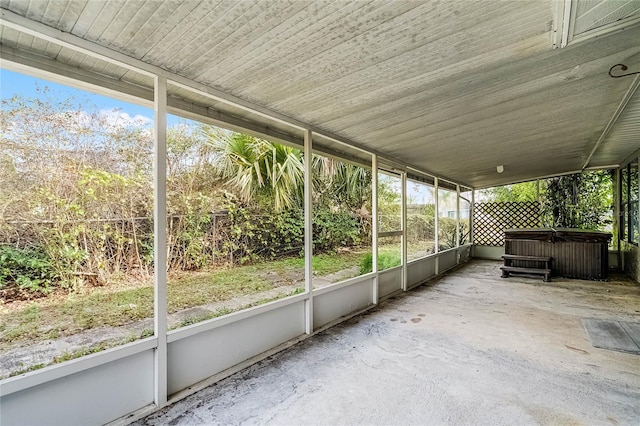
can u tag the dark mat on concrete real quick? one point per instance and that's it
(614, 335)
(633, 328)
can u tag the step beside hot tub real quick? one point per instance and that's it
(576, 253)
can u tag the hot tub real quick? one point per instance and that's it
(576, 253)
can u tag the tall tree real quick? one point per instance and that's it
(581, 200)
(258, 169)
(341, 185)
(525, 191)
(267, 172)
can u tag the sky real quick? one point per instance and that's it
(13, 83)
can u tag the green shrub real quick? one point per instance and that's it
(385, 261)
(420, 226)
(255, 234)
(335, 229)
(446, 233)
(62, 249)
(27, 269)
(258, 233)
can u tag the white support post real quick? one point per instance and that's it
(308, 230)
(436, 248)
(436, 227)
(404, 230)
(457, 215)
(159, 242)
(637, 189)
(566, 23)
(540, 207)
(472, 211)
(374, 227)
(616, 211)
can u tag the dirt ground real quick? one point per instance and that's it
(468, 348)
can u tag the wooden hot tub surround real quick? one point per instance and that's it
(576, 253)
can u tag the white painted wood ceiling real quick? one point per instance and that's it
(453, 88)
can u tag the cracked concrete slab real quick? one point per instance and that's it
(469, 348)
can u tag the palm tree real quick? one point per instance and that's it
(265, 171)
(347, 185)
(258, 169)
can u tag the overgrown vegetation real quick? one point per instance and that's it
(74, 195)
(77, 231)
(581, 200)
(30, 269)
(77, 209)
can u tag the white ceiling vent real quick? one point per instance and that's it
(578, 20)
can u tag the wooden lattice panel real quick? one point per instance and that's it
(491, 219)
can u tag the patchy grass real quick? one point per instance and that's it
(25, 370)
(50, 319)
(119, 304)
(324, 263)
(66, 356)
(200, 288)
(101, 346)
(225, 311)
(199, 318)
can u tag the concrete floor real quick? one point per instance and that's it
(469, 348)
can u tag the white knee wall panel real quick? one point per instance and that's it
(199, 356)
(421, 270)
(93, 396)
(334, 304)
(389, 281)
